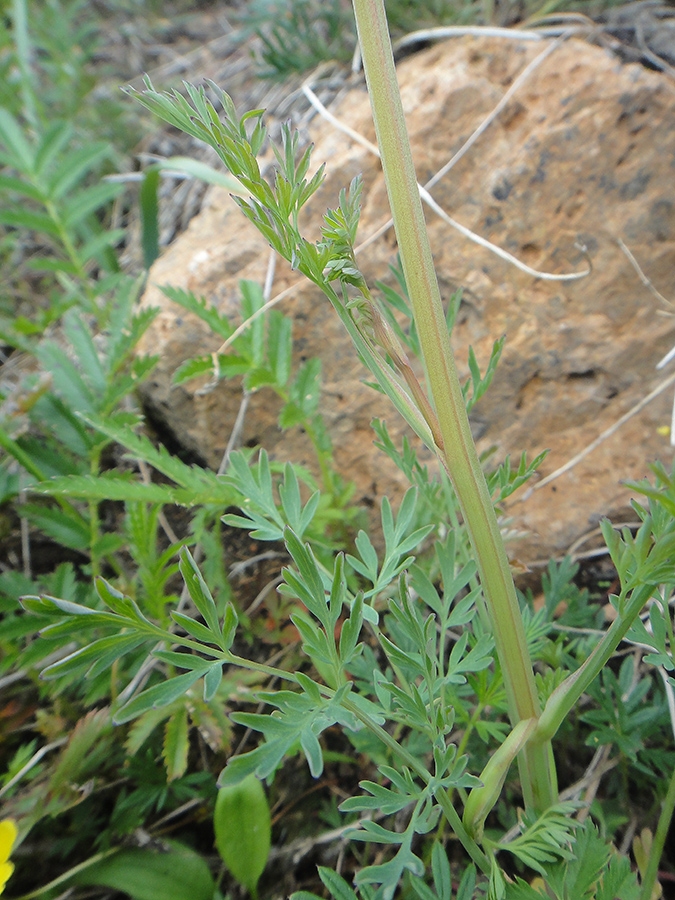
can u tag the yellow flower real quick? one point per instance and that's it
(7, 838)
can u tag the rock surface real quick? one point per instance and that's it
(584, 153)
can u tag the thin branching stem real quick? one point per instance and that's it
(457, 450)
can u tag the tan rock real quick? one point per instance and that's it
(584, 153)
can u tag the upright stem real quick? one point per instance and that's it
(457, 450)
(651, 872)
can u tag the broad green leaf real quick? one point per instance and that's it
(242, 824)
(174, 873)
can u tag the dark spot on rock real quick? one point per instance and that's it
(540, 174)
(636, 186)
(502, 190)
(633, 105)
(585, 373)
(493, 219)
(661, 219)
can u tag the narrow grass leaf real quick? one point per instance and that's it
(199, 591)
(157, 696)
(149, 209)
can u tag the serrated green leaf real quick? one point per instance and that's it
(140, 730)
(73, 760)
(66, 527)
(110, 486)
(88, 201)
(33, 221)
(68, 379)
(218, 323)
(440, 868)
(52, 142)
(98, 243)
(279, 346)
(175, 748)
(226, 365)
(12, 135)
(205, 486)
(74, 166)
(19, 186)
(82, 345)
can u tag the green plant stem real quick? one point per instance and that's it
(442, 797)
(651, 872)
(456, 448)
(65, 878)
(565, 696)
